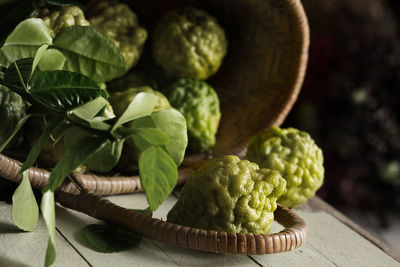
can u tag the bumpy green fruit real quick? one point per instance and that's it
(115, 20)
(128, 162)
(189, 43)
(61, 17)
(230, 195)
(12, 109)
(295, 156)
(120, 100)
(199, 104)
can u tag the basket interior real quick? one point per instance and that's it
(262, 73)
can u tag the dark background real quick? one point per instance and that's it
(350, 103)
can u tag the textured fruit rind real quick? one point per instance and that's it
(61, 17)
(189, 43)
(12, 110)
(230, 195)
(199, 104)
(295, 156)
(121, 25)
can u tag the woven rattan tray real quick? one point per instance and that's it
(257, 84)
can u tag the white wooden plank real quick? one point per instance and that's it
(303, 256)
(70, 224)
(340, 244)
(28, 249)
(181, 256)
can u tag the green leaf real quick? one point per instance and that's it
(3, 59)
(104, 159)
(14, 12)
(25, 40)
(153, 136)
(91, 53)
(142, 105)
(158, 175)
(52, 59)
(25, 211)
(17, 128)
(172, 123)
(63, 90)
(40, 143)
(146, 137)
(75, 155)
(90, 109)
(48, 212)
(98, 123)
(135, 125)
(146, 212)
(38, 56)
(17, 76)
(107, 238)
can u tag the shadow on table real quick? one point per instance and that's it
(6, 261)
(7, 228)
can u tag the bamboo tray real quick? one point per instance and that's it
(258, 83)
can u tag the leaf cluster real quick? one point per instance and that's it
(59, 78)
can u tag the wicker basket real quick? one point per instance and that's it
(257, 84)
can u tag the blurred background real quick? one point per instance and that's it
(350, 104)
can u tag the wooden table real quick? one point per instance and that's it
(333, 241)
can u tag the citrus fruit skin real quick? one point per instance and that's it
(230, 195)
(295, 156)
(62, 17)
(189, 43)
(12, 110)
(199, 104)
(121, 25)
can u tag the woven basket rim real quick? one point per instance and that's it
(293, 236)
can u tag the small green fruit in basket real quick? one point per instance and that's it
(121, 25)
(61, 17)
(128, 162)
(230, 195)
(12, 110)
(199, 104)
(120, 100)
(189, 43)
(295, 156)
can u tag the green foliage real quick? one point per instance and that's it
(142, 105)
(158, 175)
(17, 76)
(75, 155)
(59, 80)
(25, 40)
(15, 131)
(52, 59)
(107, 238)
(40, 143)
(12, 110)
(90, 53)
(172, 123)
(25, 210)
(63, 90)
(47, 207)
